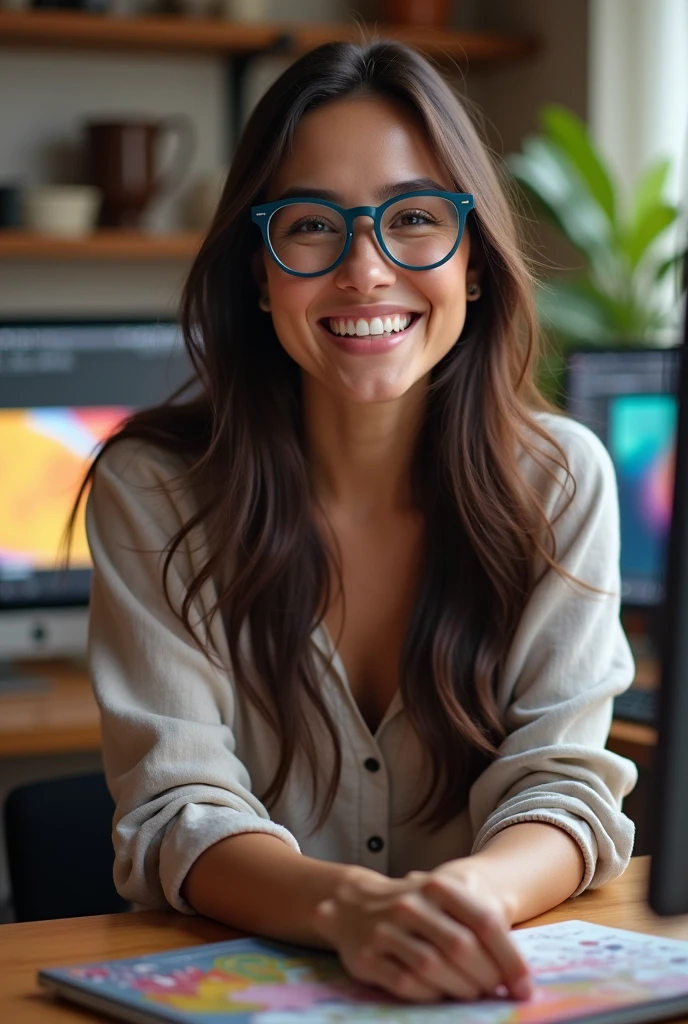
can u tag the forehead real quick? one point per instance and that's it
(355, 146)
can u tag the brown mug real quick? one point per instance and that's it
(121, 160)
(421, 13)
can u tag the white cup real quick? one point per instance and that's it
(64, 210)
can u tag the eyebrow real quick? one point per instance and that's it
(397, 188)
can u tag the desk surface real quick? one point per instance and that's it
(63, 718)
(24, 948)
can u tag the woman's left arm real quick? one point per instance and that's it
(546, 813)
(527, 868)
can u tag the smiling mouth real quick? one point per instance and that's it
(377, 326)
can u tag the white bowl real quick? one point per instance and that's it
(69, 211)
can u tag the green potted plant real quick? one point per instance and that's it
(620, 297)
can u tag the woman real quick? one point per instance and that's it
(359, 597)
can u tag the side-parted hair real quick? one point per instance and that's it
(488, 538)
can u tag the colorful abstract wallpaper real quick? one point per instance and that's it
(44, 454)
(641, 433)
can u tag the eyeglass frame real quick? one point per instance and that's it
(463, 202)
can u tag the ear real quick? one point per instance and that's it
(261, 279)
(477, 260)
(258, 269)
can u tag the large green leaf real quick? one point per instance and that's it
(567, 130)
(650, 189)
(678, 264)
(569, 311)
(653, 222)
(546, 173)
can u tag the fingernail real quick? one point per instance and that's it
(522, 988)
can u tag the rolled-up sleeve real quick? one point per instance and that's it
(167, 710)
(568, 659)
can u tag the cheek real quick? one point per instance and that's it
(290, 296)
(445, 291)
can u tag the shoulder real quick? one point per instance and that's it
(570, 462)
(136, 463)
(136, 481)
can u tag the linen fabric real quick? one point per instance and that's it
(186, 754)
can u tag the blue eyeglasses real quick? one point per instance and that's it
(417, 231)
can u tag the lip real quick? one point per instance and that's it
(370, 344)
(368, 312)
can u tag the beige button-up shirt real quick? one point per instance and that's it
(186, 753)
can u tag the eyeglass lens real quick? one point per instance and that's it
(418, 232)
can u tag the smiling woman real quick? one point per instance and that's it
(354, 625)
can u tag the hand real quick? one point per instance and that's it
(425, 937)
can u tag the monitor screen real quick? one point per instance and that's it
(628, 398)
(64, 388)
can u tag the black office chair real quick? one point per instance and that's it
(59, 849)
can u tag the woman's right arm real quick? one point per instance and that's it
(270, 889)
(167, 710)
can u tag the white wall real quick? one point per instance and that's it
(639, 86)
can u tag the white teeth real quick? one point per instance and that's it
(377, 325)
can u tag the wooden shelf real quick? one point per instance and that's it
(177, 34)
(101, 245)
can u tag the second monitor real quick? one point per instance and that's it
(628, 398)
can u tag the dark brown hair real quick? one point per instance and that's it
(487, 534)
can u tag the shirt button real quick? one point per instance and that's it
(375, 844)
(372, 764)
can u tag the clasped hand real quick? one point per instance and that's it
(426, 937)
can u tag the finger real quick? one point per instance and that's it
(456, 942)
(377, 968)
(461, 948)
(425, 961)
(489, 929)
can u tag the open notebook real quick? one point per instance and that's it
(582, 972)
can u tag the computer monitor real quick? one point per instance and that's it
(669, 866)
(628, 398)
(64, 387)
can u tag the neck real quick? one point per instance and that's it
(362, 454)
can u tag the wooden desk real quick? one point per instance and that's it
(64, 717)
(24, 948)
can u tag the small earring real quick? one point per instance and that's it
(474, 291)
(264, 303)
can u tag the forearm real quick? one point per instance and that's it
(256, 883)
(530, 867)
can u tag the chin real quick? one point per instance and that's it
(373, 389)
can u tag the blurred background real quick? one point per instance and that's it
(117, 123)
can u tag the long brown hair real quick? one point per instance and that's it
(487, 534)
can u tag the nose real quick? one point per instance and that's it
(365, 267)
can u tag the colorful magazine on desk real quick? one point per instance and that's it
(582, 972)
